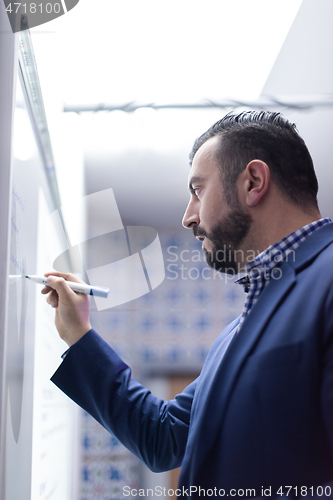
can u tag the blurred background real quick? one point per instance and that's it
(127, 87)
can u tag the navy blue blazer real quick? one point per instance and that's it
(260, 417)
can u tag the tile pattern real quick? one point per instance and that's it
(106, 465)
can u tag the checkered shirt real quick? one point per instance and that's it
(266, 265)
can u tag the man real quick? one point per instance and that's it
(258, 421)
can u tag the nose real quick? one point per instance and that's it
(191, 215)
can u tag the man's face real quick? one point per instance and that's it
(220, 226)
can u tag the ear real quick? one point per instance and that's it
(256, 181)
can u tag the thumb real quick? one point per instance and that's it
(61, 287)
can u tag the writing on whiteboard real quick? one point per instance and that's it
(18, 198)
(17, 264)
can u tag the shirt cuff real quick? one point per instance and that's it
(67, 351)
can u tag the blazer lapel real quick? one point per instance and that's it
(252, 328)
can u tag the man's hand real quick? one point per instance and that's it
(72, 309)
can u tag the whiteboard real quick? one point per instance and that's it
(37, 421)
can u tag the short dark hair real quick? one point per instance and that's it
(266, 136)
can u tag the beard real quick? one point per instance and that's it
(226, 236)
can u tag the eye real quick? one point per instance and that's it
(196, 191)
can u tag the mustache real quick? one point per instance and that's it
(197, 231)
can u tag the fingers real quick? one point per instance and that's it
(52, 298)
(65, 276)
(60, 286)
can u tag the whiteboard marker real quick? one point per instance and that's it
(98, 291)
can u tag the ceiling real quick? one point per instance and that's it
(175, 51)
(147, 52)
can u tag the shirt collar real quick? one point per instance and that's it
(272, 257)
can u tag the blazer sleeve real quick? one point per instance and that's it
(96, 378)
